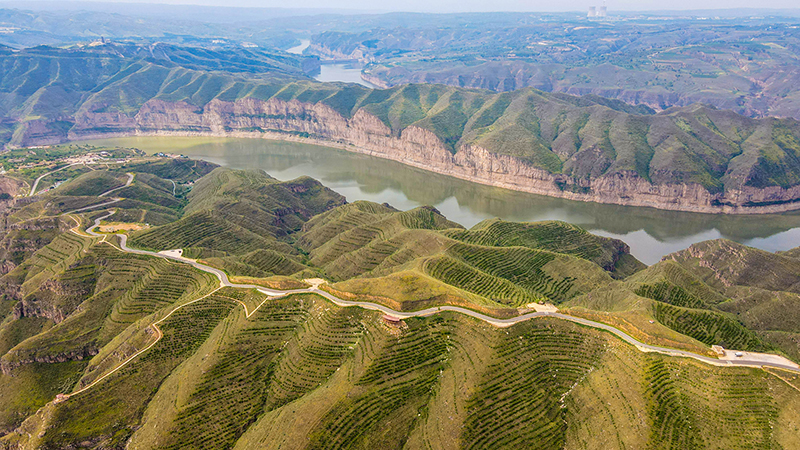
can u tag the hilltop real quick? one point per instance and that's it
(232, 367)
(693, 158)
(747, 64)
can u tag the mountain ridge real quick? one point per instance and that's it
(692, 158)
(183, 362)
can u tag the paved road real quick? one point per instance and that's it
(99, 205)
(36, 182)
(127, 183)
(224, 281)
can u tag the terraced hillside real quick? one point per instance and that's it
(238, 221)
(716, 292)
(156, 354)
(763, 288)
(418, 257)
(65, 303)
(243, 221)
(444, 382)
(611, 254)
(587, 148)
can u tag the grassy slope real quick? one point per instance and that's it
(581, 137)
(64, 297)
(74, 299)
(243, 222)
(762, 289)
(716, 292)
(418, 257)
(301, 373)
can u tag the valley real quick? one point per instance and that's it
(143, 344)
(693, 158)
(354, 227)
(650, 233)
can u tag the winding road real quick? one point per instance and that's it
(127, 183)
(36, 182)
(749, 359)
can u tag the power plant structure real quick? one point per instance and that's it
(597, 12)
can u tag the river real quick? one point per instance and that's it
(651, 233)
(330, 72)
(298, 49)
(347, 72)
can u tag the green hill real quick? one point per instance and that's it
(724, 263)
(243, 221)
(57, 95)
(356, 243)
(233, 368)
(301, 374)
(717, 292)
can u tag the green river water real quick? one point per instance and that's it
(651, 233)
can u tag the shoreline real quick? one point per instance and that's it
(452, 172)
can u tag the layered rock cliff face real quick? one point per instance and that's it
(20, 240)
(418, 147)
(15, 358)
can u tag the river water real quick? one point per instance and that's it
(651, 233)
(298, 49)
(347, 72)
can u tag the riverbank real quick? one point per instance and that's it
(477, 165)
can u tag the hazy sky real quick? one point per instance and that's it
(483, 5)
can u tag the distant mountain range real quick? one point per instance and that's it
(586, 148)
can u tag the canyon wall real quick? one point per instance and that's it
(364, 133)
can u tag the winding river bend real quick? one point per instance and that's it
(651, 233)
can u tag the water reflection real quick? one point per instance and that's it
(651, 233)
(347, 72)
(298, 49)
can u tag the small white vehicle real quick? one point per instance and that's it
(739, 354)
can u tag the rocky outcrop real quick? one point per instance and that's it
(376, 81)
(418, 147)
(15, 359)
(10, 186)
(20, 240)
(359, 53)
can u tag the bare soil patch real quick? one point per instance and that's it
(114, 227)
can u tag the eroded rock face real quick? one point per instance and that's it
(11, 187)
(15, 358)
(415, 146)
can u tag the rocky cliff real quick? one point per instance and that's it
(419, 147)
(692, 158)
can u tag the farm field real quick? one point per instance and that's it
(106, 348)
(426, 226)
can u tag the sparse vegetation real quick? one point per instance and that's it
(299, 372)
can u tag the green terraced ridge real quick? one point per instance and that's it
(300, 372)
(246, 381)
(374, 243)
